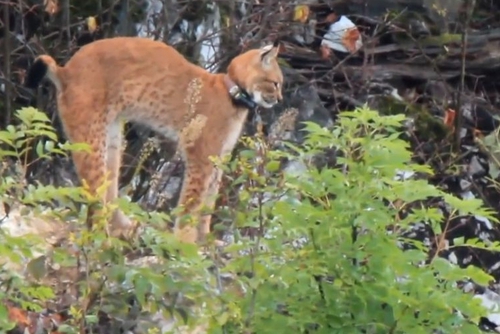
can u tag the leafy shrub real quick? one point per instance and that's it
(349, 274)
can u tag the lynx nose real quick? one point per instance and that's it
(279, 96)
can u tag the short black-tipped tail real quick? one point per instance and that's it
(36, 73)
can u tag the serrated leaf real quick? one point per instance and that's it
(478, 276)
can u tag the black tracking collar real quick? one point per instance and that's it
(241, 98)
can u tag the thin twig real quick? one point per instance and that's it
(66, 23)
(470, 4)
(6, 64)
(254, 252)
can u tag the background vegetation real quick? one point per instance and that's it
(322, 207)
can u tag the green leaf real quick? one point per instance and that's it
(273, 166)
(478, 276)
(222, 318)
(39, 149)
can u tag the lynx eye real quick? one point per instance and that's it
(275, 83)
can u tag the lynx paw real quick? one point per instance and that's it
(121, 226)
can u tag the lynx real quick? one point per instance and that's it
(140, 80)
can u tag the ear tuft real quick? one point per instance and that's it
(268, 53)
(265, 49)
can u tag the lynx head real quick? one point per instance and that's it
(258, 73)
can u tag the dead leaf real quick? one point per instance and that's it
(281, 48)
(301, 13)
(37, 267)
(449, 118)
(17, 315)
(33, 322)
(325, 52)
(331, 18)
(51, 6)
(350, 38)
(343, 36)
(91, 23)
(6, 208)
(477, 134)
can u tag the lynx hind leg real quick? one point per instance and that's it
(119, 221)
(198, 189)
(90, 165)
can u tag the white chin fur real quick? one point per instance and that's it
(257, 97)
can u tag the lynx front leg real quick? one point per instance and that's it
(210, 199)
(200, 186)
(119, 222)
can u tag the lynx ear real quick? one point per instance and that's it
(268, 53)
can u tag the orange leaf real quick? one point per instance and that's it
(20, 317)
(350, 38)
(51, 6)
(449, 118)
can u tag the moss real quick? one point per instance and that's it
(427, 125)
(442, 39)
